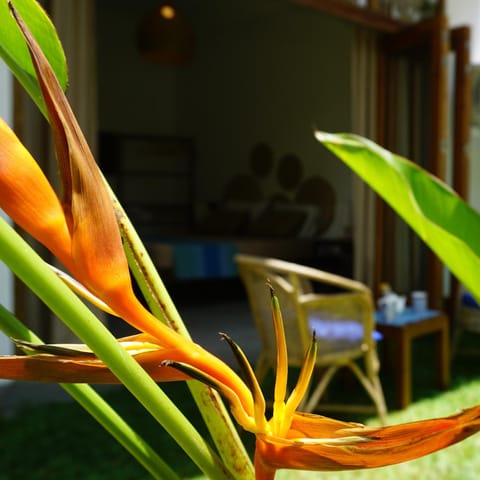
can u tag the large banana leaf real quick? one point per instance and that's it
(14, 51)
(448, 225)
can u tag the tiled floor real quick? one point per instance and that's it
(233, 318)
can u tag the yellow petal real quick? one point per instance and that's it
(302, 385)
(281, 375)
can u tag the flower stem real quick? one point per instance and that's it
(31, 269)
(209, 402)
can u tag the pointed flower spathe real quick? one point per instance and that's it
(27, 197)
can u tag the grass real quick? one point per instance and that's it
(458, 462)
(61, 441)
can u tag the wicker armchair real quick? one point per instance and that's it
(343, 322)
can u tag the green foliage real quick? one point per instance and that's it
(61, 441)
(37, 435)
(14, 51)
(448, 225)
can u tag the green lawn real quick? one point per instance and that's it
(458, 462)
(61, 441)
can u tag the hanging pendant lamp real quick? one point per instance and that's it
(165, 36)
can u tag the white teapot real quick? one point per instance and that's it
(390, 304)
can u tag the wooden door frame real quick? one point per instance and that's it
(462, 114)
(431, 34)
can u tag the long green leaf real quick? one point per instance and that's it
(14, 51)
(98, 408)
(448, 225)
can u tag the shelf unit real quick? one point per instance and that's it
(153, 177)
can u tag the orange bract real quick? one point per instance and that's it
(65, 363)
(28, 198)
(319, 443)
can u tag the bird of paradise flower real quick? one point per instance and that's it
(82, 232)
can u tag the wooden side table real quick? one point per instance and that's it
(398, 335)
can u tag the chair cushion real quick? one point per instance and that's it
(347, 332)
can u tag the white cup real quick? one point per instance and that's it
(419, 301)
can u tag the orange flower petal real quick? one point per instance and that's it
(81, 369)
(362, 447)
(97, 252)
(28, 198)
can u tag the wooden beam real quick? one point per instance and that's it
(460, 41)
(361, 15)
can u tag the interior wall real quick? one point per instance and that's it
(133, 96)
(467, 12)
(263, 71)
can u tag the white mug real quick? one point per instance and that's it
(419, 301)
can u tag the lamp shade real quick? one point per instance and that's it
(165, 36)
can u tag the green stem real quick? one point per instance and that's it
(98, 408)
(30, 268)
(209, 402)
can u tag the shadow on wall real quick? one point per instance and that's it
(299, 207)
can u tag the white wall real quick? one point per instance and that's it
(264, 71)
(267, 75)
(467, 12)
(6, 278)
